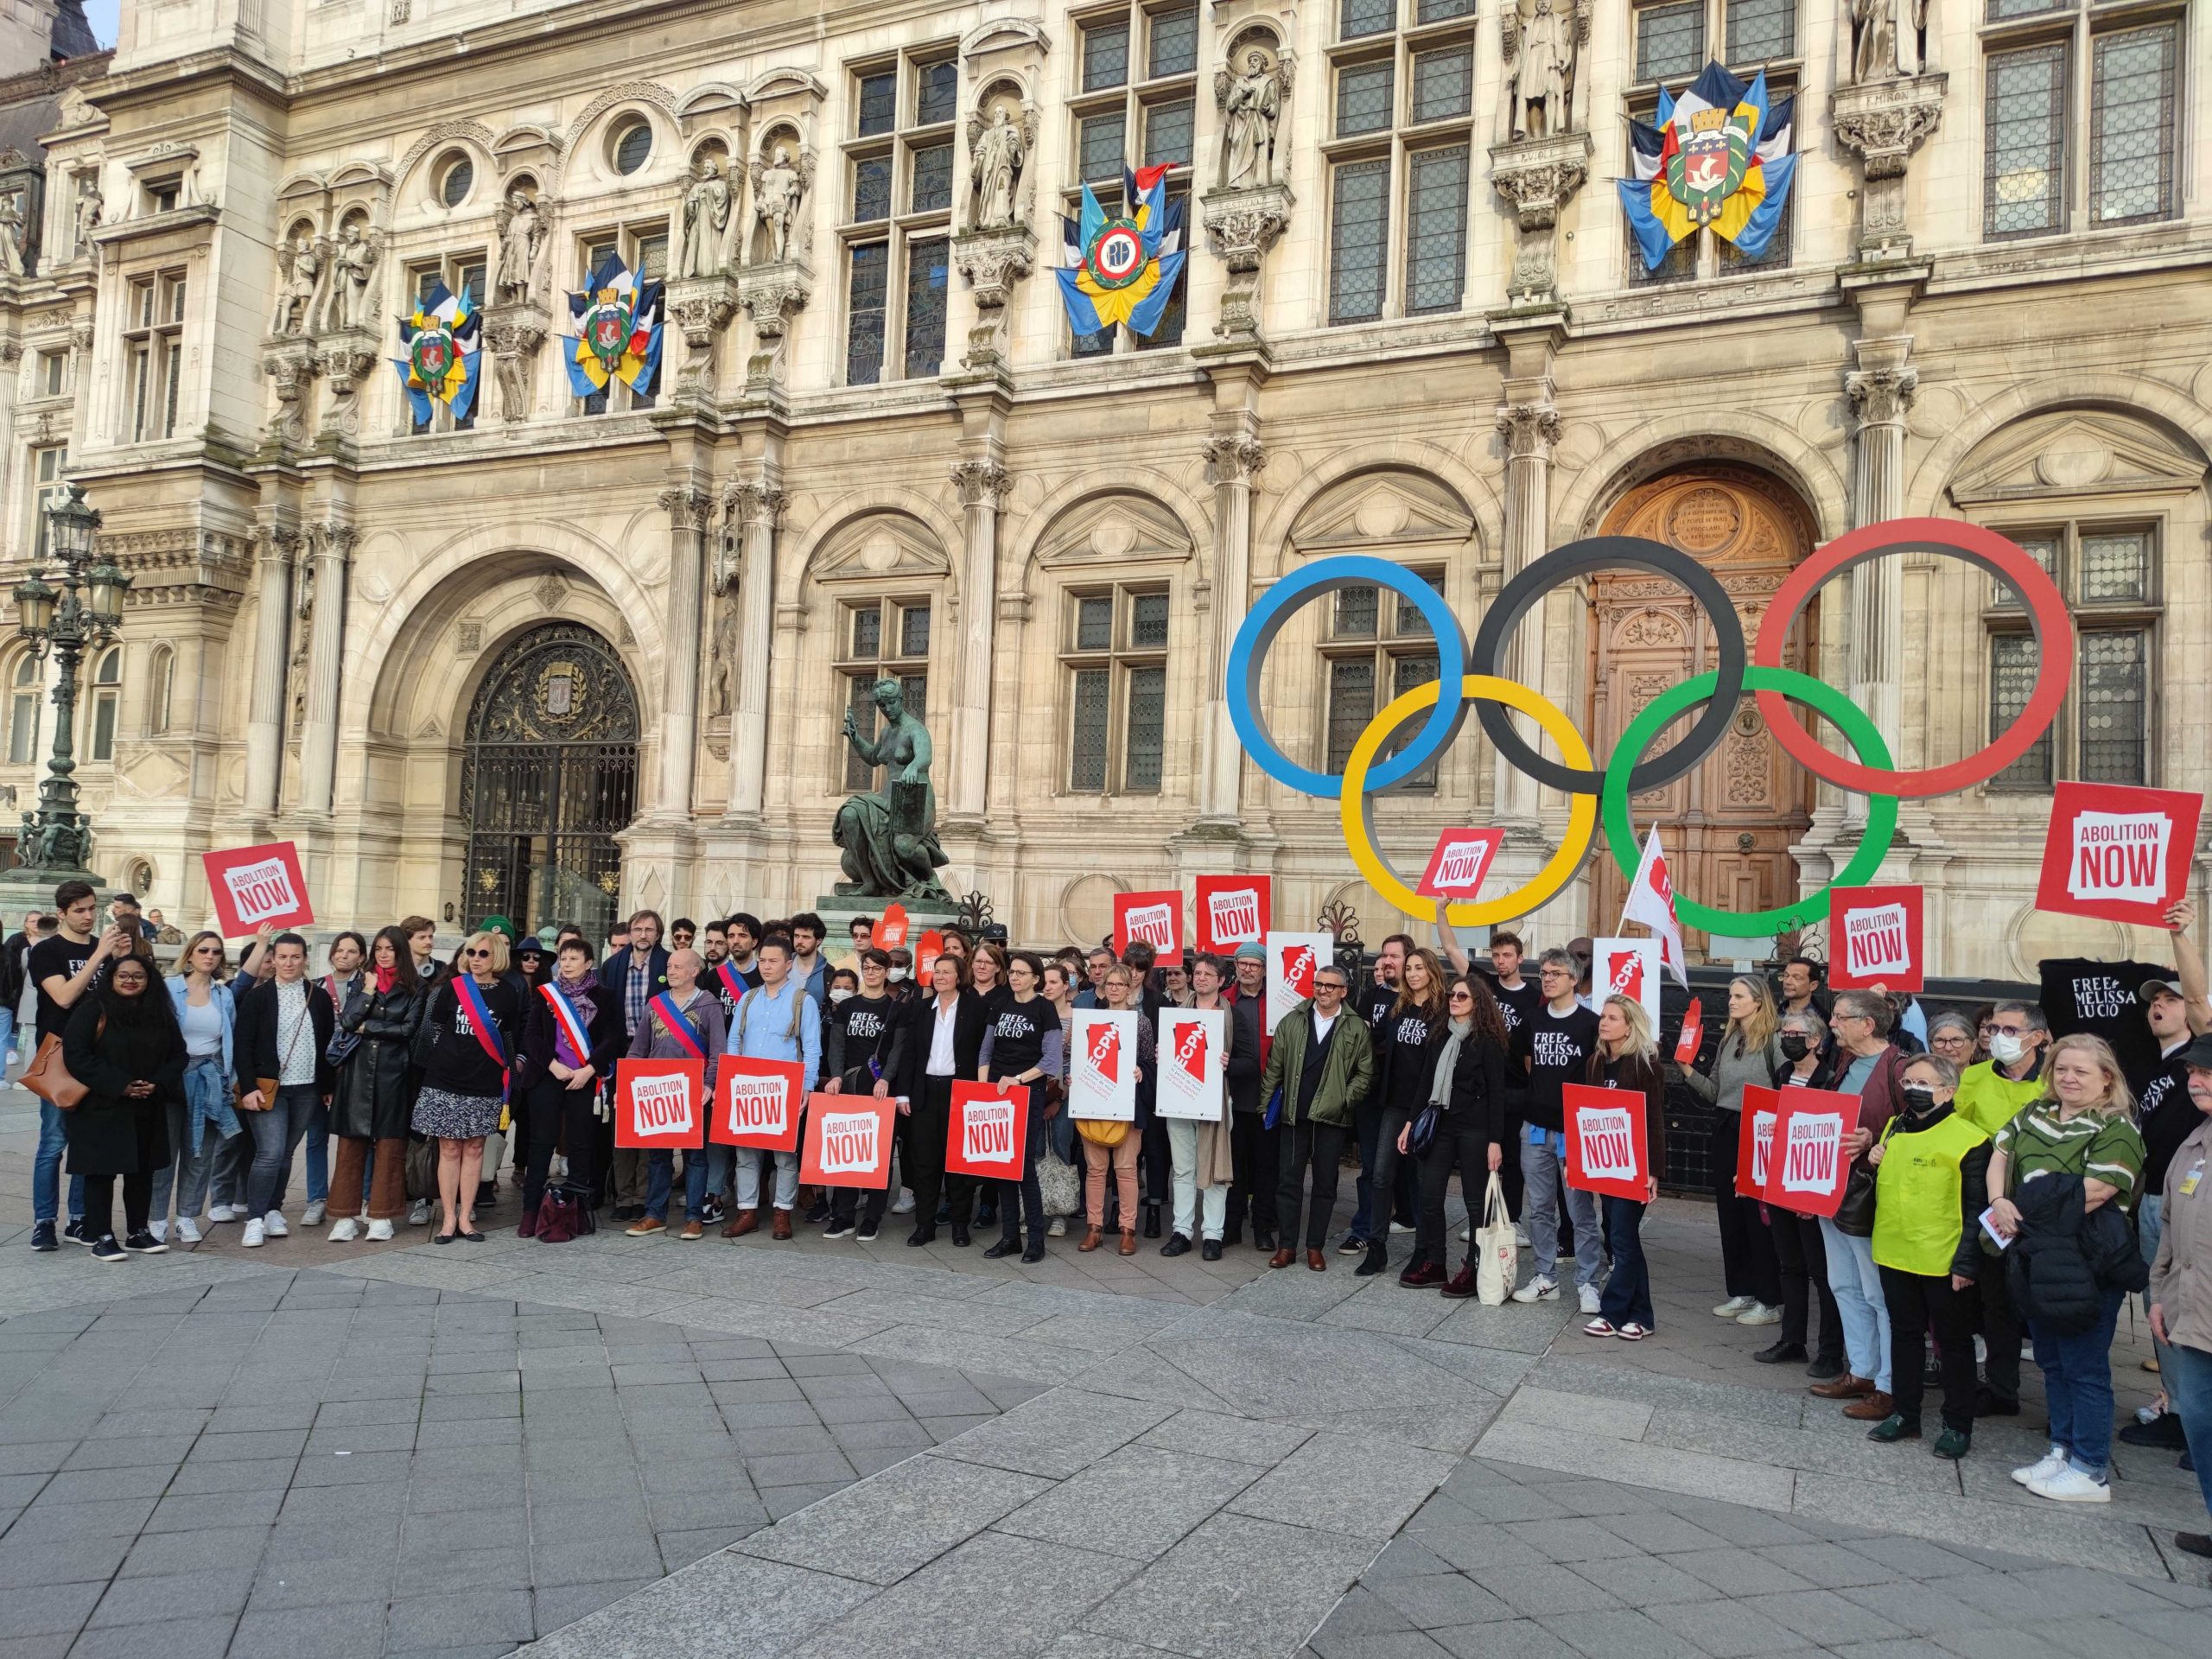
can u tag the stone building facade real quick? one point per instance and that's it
(569, 653)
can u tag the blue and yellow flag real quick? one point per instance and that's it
(617, 331)
(1721, 156)
(1123, 268)
(442, 340)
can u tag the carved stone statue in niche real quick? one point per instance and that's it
(11, 235)
(721, 658)
(1874, 40)
(1543, 39)
(352, 260)
(1000, 138)
(89, 203)
(1251, 93)
(706, 219)
(522, 233)
(780, 186)
(300, 265)
(296, 669)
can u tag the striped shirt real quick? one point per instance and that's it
(2038, 1142)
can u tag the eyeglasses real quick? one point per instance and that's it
(478, 951)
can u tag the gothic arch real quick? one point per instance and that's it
(1718, 435)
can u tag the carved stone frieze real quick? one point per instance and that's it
(1883, 123)
(1530, 429)
(1538, 176)
(1241, 224)
(701, 307)
(291, 368)
(687, 508)
(772, 295)
(981, 483)
(514, 333)
(1881, 397)
(345, 361)
(1238, 461)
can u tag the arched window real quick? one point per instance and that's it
(24, 699)
(107, 699)
(158, 683)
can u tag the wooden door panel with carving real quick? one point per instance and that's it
(1729, 822)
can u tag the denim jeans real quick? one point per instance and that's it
(1540, 1172)
(749, 1178)
(1627, 1299)
(1860, 1304)
(230, 1170)
(46, 1169)
(187, 1171)
(276, 1135)
(1377, 1127)
(2187, 1377)
(317, 1135)
(2150, 1227)
(2077, 1385)
(702, 1170)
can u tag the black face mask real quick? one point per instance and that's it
(1918, 1102)
(1795, 1046)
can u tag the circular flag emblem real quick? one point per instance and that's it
(433, 355)
(1116, 256)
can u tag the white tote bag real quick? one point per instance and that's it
(1498, 1256)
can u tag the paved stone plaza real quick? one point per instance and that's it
(622, 1446)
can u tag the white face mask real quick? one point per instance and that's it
(897, 974)
(2006, 1049)
(839, 994)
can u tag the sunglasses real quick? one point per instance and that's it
(478, 951)
(1463, 996)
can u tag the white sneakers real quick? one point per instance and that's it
(2050, 1464)
(418, 1214)
(222, 1212)
(2069, 1485)
(188, 1230)
(380, 1232)
(906, 1204)
(160, 1230)
(316, 1213)
(345, 1232)
(1589, 1294)
(1734, 1306)
(254, 1234)
(273, 1224)
(1759, 1313)
(1541, 1288)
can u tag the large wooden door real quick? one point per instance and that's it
(1728, 824)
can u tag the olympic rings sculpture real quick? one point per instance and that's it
(1590, 785)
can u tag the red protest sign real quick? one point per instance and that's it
(986, 1131)
(1460, 861)
(1606, 1142)
(1155, 918)
(2122, 855)
(757, 1103)
(1692, 1036)
(1874, 938)
(254, 887)
(890, 932)
(1755, 1139)
(848, 1141)
(1806, 1169)
(657, 1103)
(927, 949)
(1233, 910)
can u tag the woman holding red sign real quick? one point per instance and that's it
(1627, 1058)
(467, 1036)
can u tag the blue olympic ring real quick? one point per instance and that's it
(1266, 620)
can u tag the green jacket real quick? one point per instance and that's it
(1347, 1070)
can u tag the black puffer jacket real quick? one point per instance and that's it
(2065, 1261)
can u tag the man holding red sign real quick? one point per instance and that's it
(683, 1022)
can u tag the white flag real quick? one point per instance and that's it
(1651, 901)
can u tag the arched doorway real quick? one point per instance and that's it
(549, 775)
(1728, 825)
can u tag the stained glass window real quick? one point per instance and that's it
(869, 287)
(1436, 233)
(1105, 56)
(2024, 141)
(879, 103)
(1364, 98)
(932, 179)
(2132, 121)
(1174, 42)
(936, 92)
(1444, 83)
(1359, 237)
(1670, 40)
(926, 261)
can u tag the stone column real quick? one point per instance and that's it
(1234, 464)
(689, 512)
(1879, 397)
(984, 486)
(1530, 426)
(264, 724)
(333, 545)
(756, 508)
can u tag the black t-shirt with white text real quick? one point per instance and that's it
(1018, 1034)
(1557, 1048)
(857, 1029)
(2080, 994)
(2167, 1114)
(65, 958)
(1406, 1033)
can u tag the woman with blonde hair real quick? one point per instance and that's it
(464, 1046)
(2080, 1131)
(1749, 1052)
(1626, 1058)
(1114, 1145)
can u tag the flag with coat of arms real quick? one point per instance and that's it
(441, 339)
(617, 334)
(1719, 155)
(1124, 267)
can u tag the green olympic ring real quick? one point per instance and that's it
(1817, 695)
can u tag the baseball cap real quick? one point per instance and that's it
(2151, 989)
(1251, 950)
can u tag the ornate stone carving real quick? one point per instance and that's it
(299, 289)
(1252, 91)
(1234, 461)
(344, 360)
(1883, 124)
(290, 366)
(687, 508)
(753, 503)
(782, 174)
(1874, 40)
(1881, 395)
(1538, 175)
(1002, 141)
(1543, 41)
(981, 483)
(514, 333)
(703, 250)
(992, 262)
(352, 261)
(772, 295)
(1241, 225)
(701, 308)
(1530, 429)
(522, 237)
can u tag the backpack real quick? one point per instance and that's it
(564, 1213)
(745, 1009)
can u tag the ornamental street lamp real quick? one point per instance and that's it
(83, 611)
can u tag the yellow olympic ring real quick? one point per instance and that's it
(1358, 805)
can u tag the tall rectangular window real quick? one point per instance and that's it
(869, 291)
(936, 92)
(1359, 241)
(1174, 47)
(901, 190)
(1436, 230)
(2024, 141)
(927, 259)
(1167, 132)
(1105, 56)
(879, 639)
(1116, 668)
(154, 354)
(932, 191)
(1104, 143)
(877, 104)
(1374, 653)
(46, 492)
(2132, 120)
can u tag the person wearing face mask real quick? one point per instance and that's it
(1991, 1094)
(1931, 1173)
(1800, 1256)
(901, 977)
(856, 1042)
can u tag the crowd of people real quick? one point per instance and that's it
(2003, 1183)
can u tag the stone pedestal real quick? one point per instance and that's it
(837, 910)
(514, 333)
(772, 295)
(992, 262)
(1241, 225)
(1883, 123)
(289, 362)
(1538, 175)
(344, 359)
(701, 307)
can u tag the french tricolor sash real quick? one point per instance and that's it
(672, 1017)
(732, 982)
(486, 1028)
(571, 1027)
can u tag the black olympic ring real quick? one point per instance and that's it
(1521, 594)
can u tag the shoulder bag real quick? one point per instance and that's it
(47, 1076)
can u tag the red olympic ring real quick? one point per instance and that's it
(2047, 615)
